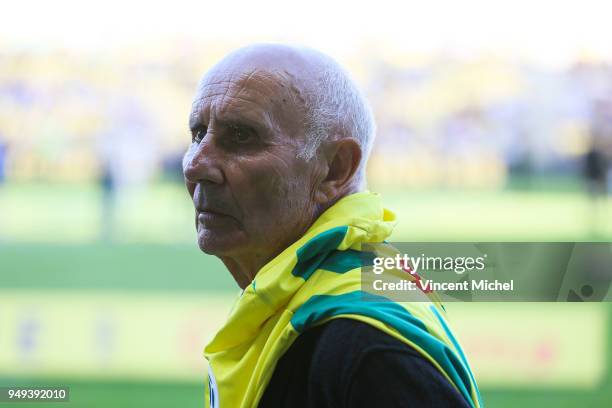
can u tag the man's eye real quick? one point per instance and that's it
(199, 135)
(240, 134)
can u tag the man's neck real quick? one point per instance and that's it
(244, 267)
(241, 272)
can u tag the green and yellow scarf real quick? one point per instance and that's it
(317, 279)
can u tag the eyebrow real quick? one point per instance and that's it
(194, 123)
(262, 123)
(195, 119)
(232, 119)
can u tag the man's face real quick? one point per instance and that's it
(252, 195)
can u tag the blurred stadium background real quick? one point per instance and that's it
(494, 121)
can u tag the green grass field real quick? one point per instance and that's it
(49, 239)
(163, 214)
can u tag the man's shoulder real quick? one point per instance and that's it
(343, 347)
(351, 331)
(346, 340)
(322, 364)
(346, 362)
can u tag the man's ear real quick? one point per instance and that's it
(343, 157)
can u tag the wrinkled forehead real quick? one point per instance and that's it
(258, 83)
(251, 90)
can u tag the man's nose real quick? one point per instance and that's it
(201, 163)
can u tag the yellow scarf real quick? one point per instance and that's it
(311, 282)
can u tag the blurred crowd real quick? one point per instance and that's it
(121, 118)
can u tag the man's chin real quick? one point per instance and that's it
(218, 244)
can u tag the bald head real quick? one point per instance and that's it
(329, 103)
(273, 58)
(279, 134)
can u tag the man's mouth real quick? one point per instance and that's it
(209, 216)
(210, 211)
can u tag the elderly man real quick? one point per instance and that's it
(276, 170)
